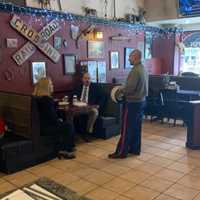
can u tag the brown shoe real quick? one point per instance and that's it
(116, 156)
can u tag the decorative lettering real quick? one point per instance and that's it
(37, 39)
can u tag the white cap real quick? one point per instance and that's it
(117, 94)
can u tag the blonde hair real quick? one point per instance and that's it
(43, 87)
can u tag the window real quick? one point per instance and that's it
(148, 45)
(190, 60)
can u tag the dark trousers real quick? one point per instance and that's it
(131, 126)
(65, 133)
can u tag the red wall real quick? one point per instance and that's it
(18, 78)
(164, 49)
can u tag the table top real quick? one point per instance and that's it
(192, 92)
(76, 110)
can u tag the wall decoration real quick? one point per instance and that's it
(126, 57)
(38, 71)
(95, 49)
(140, 46)
(90, 12)
(114, 59)
(57, 42)
(66, 16)
(92, 70)
(37, 39)
(65, 43)
(74, 31)
(69, 63)
(12, 42)
(96, 69)
(45, 4)
(8, 74)
(101, 68)
(1, 51)
(84, 33)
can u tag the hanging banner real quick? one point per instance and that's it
(36, 40)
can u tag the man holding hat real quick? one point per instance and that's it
(135, 92)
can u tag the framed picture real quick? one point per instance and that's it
(38, 71)
(140, 46)
(57, 42)
(92, 70)
(95, 49)
(101, 67)
(126, 57)
(69, 63)
(114, 60)
(12, 42)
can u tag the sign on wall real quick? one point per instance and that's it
(36, 40)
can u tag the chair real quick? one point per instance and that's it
(190, 74)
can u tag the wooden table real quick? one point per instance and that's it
(70, 111)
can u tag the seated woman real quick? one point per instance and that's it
(50, 123)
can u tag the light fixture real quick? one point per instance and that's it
(120, 37)
(98, 34)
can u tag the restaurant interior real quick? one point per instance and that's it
(64, 39)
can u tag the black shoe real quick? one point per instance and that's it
(69, 156)
(65, 155)
(137, 153)
(116, 156)
(74, 149)
(86, 138)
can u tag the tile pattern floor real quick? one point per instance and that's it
(165, 170)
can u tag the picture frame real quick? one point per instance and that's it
(57, 42)
(101, 69)
(114, 59)
(95, 49)
(69, 64)
(12, 42)
(140, 46)
(38, 71)
(127, 52)
(92, 70)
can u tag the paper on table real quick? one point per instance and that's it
(80, 104)
(63, 103)
(17, 195)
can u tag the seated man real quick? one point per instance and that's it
(91, 94)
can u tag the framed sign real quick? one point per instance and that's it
(38, 71)
(114, 60)
(57, 42)
(12, 42)
(92, 70)
(127, 52)
(69, 63)
(101, 67)
(95, 49)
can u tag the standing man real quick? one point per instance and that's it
(135, 92)
(91, 94)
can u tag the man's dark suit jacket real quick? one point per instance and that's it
(95, 96)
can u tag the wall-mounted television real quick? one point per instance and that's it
(189, 7)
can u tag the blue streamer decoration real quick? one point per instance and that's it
(12, 8)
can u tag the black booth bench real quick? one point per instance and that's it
(25, 145)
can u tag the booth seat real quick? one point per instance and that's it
(108, 123)
(24, 146)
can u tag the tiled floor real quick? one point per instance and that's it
(165, 170)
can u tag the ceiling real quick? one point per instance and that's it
(189, 23)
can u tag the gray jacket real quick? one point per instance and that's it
(136, 87)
